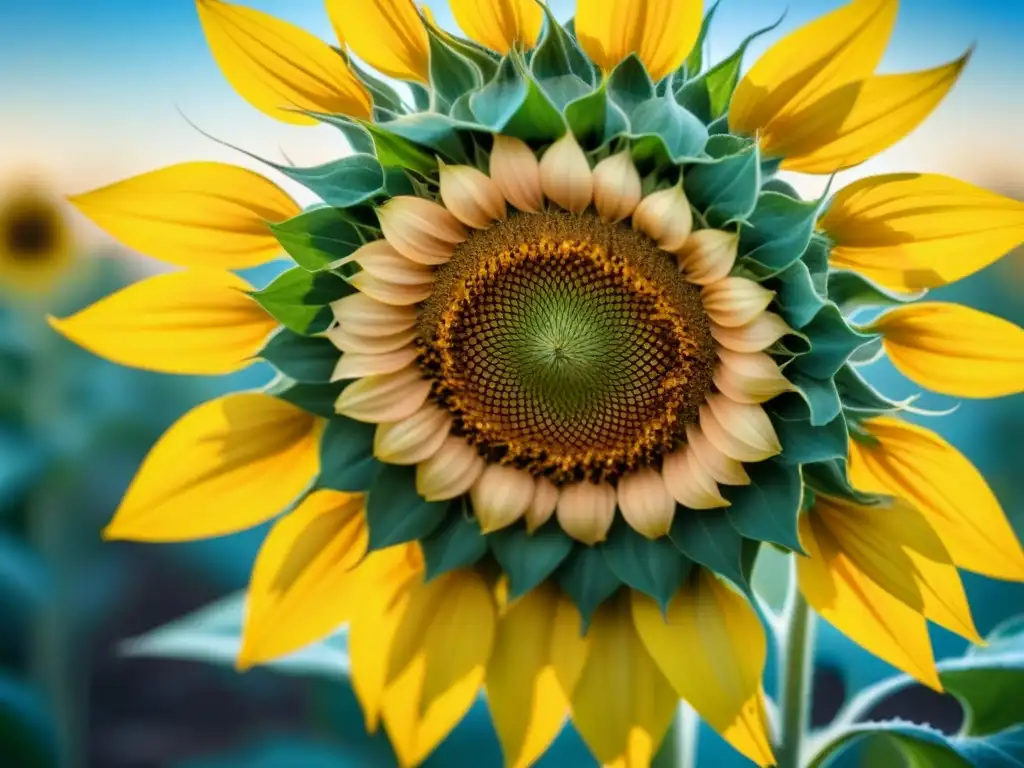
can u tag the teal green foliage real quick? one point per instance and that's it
(456, 543)
(529, 558)
(588, 580)
(559, 55)
(708, 95)
(318, 398)
(304, 359)
(768, 508)
(987, 682)
(652, 566)
(725, 187)
(830, 478)
(709, 539)
(347, 462)
(677, 127)
(395, 512)
(298, 299)
(852, 292)
(514, 104)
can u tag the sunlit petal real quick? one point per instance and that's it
(199, 321)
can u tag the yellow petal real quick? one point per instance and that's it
(712, 648)
(850, 125)
(909, 231)
(622, 705)
(278, 67)
(893, 545)
(500, 23)
(387, 34)
(385, 577)
(193, 214)
(915, 464)
(303, 586)
(200, 321)
(224, 466)
(855, 605)
(437, 661)
(661, 32)
(835, 50)
(537, 660)
(953, 349)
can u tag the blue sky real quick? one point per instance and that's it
(97, 86)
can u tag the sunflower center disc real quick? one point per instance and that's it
(567, 345)
(30, 233)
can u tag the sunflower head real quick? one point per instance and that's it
(559, 355)
(35, 242)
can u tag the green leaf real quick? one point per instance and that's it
(214, 635)
(396, 513)
(832, 342)
(803, 443)
(595, 119)
(347, 462)
(383, 94)
(318, 237)
(768, 508)
(529, 558)
(926, 747)
(461, 110)
(558, 54)
(348, 181)
(695, 61)
(821, 395)
(587, 579)
(629, 85)
(485, 60)
(725, 189)
(988, 682)
(394, 150)
(708, 538)
(654, 567)
(451, 73)
(780, 186)
(298, 299)
(514, 104)
(441, 134)
(420, 96)
(664, 133)
(777, 233)
(797, 299)
(860, 397)
(830, 477)
(708, 95)
(358, 138)
(456, 543)
(306, 359)
(852, 292)
(816, 258)
(317, 399)
(564, 90)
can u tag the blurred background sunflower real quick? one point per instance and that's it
(35, 238)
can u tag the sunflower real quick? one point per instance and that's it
(560, 354)
(35, 243)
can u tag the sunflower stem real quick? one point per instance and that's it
(795, 674)
(51, 660)
(679, 749)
